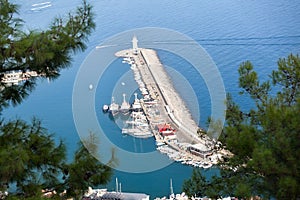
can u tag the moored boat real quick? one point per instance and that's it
(136, 106)
(105, 108)
(125, 106)
(114, 107)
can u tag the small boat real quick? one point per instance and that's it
(105, 108)
(133, 66)
(127, 60)
(158, 144)
(206, 165)
(136, 104)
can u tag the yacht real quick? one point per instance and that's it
(114, 107)
(125, 106)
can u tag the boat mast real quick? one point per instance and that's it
(135, 96)
(171, 187)
(117, 185)
(112, 100)
(124, 100)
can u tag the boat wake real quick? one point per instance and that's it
(106, 46)
(40, 6)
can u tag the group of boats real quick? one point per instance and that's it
(137, 76)
(115, 108)
(125, 107)
(136, 124)
(147, 118)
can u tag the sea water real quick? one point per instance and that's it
(231, 31)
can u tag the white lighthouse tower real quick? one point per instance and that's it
(135, 45)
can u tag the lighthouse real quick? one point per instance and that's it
(135, 45)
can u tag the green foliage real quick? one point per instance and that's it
(46, 52)
(196, 186)
(29, 157)
(265, 140)
(86, 171)
(288, 78)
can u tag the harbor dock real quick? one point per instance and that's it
(172, 109)
(166, 114)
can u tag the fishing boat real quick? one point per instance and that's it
(125, 106)
(114, 107)
(136, 106)
(105, 108)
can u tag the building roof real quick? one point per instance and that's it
(124, 196)
(165, 127)
(201, 147)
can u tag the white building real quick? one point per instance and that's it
(200, 149)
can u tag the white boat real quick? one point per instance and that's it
(114, 107)
(158, 144)
(127, 59)
(125, 106)
(136, 104)
(206, 165)
(133, 66)
(105, 108)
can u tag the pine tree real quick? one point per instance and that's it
(45, 52)
(196, 186)
(265, 140)
(30, 157)
(85, 170)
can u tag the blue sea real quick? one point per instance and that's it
(230, 31)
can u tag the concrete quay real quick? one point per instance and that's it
(163, 107)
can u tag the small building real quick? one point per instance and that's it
(166, 131)
(14, 77)
(200, 149)
(124, 196)
(103, 194)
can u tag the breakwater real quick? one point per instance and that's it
(170, 121)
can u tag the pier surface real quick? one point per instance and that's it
(171, 107)
(165, 111)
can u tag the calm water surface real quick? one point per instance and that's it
(231, 31)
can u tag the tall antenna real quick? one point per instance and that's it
(135, 96)
(124, 100)
(117, 184)
(171, 187)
